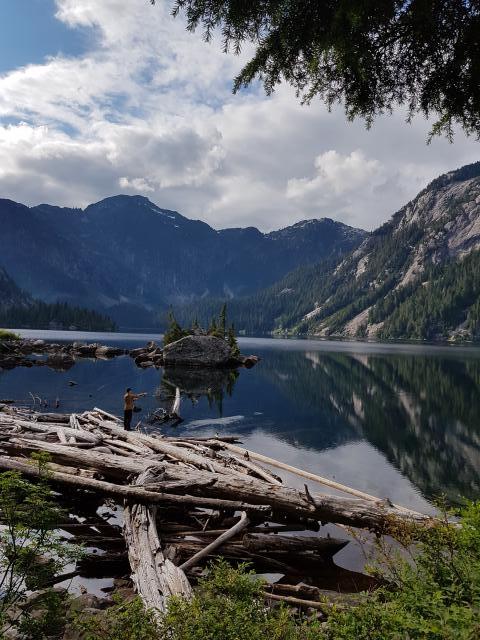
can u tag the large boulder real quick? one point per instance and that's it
(60, 361)
(105, 352)
(85, 350)
(197, 351)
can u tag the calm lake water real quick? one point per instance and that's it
(397, 421)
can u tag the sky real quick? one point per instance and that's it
(100, 97)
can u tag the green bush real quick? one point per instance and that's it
(434, 595)
(123, 621)
(6, 334)
(217, 327)
(174, 331)
(31, 555)
(229, 605)
(431, 593)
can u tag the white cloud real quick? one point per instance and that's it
(149, 109)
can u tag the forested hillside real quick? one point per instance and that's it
(129, 258)
(416, 277)
(19, 310)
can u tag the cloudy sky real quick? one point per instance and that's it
(99, 97)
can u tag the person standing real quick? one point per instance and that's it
(128, 406)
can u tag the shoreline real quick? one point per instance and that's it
(134, 335)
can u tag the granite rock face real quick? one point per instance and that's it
(198, 351)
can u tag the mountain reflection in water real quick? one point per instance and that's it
(400, 421)
(421, 412)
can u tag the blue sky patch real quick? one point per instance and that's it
(29, 32)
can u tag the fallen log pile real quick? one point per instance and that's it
(187, 500)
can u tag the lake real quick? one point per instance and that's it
(397, 421)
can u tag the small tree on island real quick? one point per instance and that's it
(174, 331)
(217, 328)
(232, 341)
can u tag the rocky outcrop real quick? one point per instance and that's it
(149, 356)
(199, 351)
(105, 352)
(24, 352)
(192, 351)
(411, 254)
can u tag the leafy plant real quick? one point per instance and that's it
(229, 605)
(217, 327)
(122, 621)
(31, 554)
(6, 334)
(233, 343)
(370, 56)
(432, 592)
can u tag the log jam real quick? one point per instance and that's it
(187, 500)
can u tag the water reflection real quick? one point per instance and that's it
(195, 384)
(422, 412)
(392, 422)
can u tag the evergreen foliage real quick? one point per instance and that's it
(217, 326)
(402, 283)
(57, 315)
(229, 605)
(174, 331)
(448, 297)
(370, 56)
(5, 334)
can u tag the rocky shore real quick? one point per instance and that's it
(30, 353)
(191, 351)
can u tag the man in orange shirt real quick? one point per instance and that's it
(128, 406)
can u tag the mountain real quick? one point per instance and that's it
(417, 276)
(10, 294)
(127, 256)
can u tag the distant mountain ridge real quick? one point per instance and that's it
(417, 276)
(129, 258)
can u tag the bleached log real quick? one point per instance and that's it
(286, 500)
(235, 486)
(224, 537)
(177, 453)
(311, 476)
(155, 577)
(137, 493)
(123, 444)
(110, 416)
(324, 607)
(306, 591)
(110, 465)
(176, 403)
(53, 428)
(262, 473)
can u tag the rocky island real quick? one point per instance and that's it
(202, 351)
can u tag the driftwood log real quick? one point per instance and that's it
(186, 500)
(154, 576)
